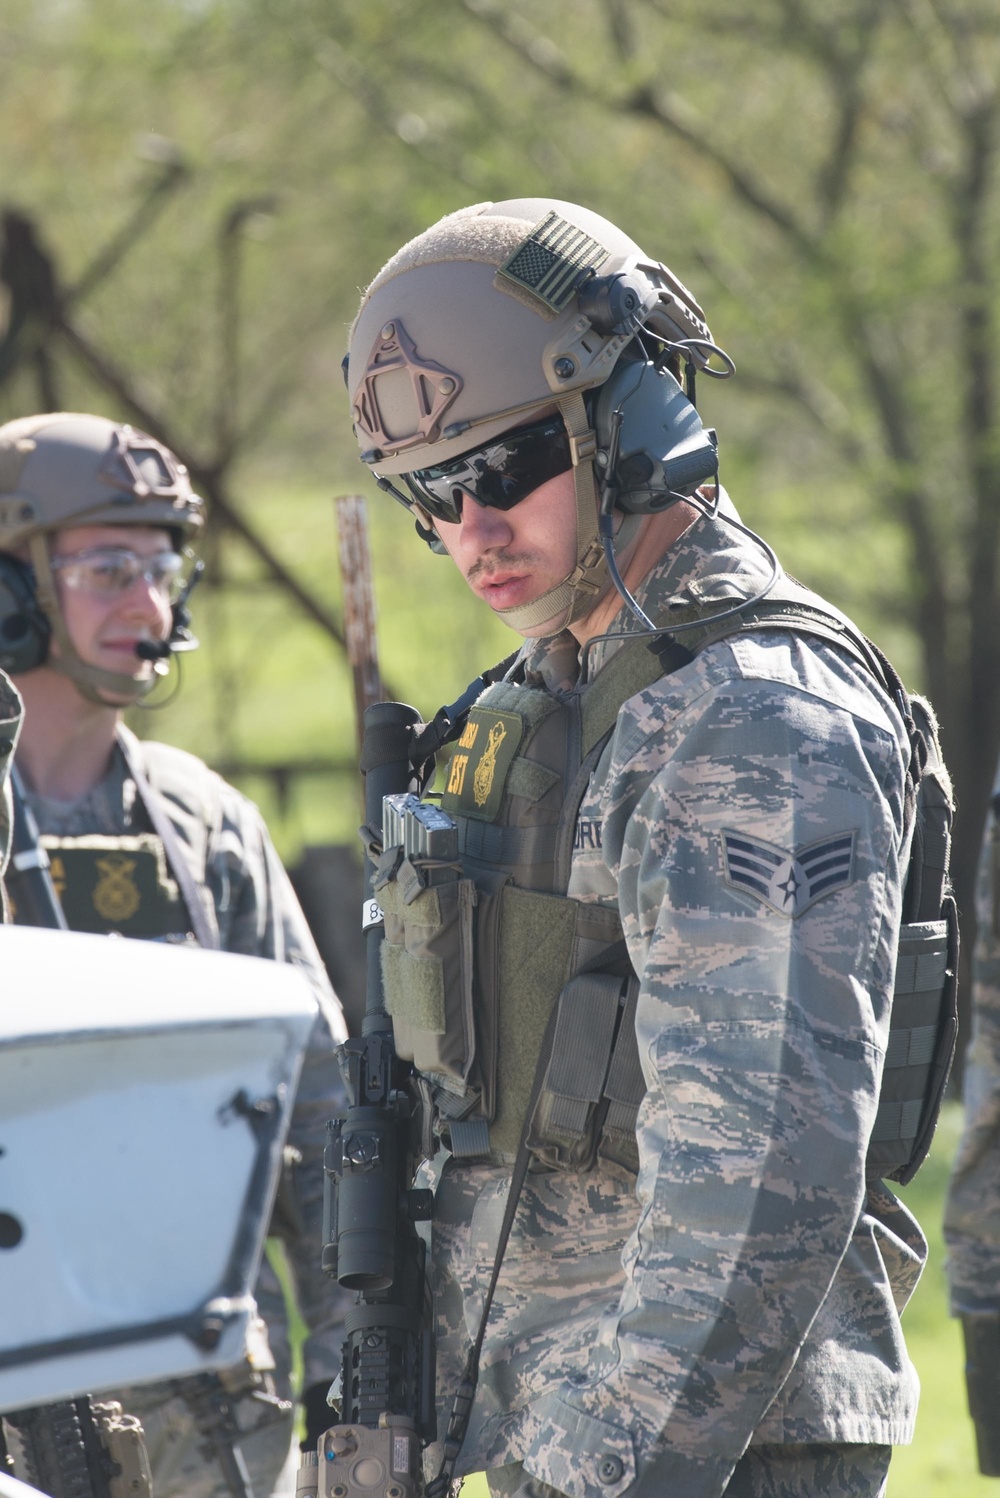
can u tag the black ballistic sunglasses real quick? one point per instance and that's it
(499, 474)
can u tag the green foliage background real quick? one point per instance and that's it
(823, 173)
(800, 166)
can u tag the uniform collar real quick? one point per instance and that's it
(710, 562)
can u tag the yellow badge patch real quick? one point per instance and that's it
(116, 883)
(116, 896)
(477, 770)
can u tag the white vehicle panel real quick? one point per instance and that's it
(145, 1091)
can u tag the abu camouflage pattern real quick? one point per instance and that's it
(10, 724)
(802, 1471)
(230, 856)
(972, 1211)
(746, 1289)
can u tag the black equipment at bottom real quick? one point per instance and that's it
(371, 1243)
(78, 1449)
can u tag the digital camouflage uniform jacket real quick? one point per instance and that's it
(10, 724)
(747, 1287)
(230, 855)
(972, 1213)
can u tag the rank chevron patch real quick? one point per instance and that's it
(788, 882)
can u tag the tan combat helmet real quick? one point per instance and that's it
(67, 469)
(497, 314)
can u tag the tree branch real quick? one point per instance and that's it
(847, 71)
(678, 117)
(378, 106)
(663, 107)
(205, 476)
(815, 401)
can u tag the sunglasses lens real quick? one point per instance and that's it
(498, 475)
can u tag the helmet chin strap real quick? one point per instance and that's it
(89, 680)
(580, 591)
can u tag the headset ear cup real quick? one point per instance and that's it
(663, 451)
(24, 629)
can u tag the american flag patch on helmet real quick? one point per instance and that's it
(788, 882)
(548, 263)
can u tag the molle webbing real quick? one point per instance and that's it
(487, 843)
(632, 668)
(532, 755)
(920, 974)
(924, 1021)
(593, 1082)
(535, 953)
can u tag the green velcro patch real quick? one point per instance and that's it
(477, 771)
(417, 986)
(530, 780)
(548, 263)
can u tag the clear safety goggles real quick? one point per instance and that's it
(110, 571)
(498, 475)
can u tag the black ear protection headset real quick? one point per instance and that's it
(651, 446)
(24, 630)
(652, 450)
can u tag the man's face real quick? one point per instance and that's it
(511, 557)
(105, 627)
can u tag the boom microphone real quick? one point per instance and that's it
(153, 650)
(180, 637)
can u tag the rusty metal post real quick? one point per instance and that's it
(359, 604)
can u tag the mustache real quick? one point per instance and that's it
(501, 561)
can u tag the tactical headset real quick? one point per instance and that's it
(652, 448)
(24, 629)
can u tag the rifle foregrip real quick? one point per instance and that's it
(982, 1379)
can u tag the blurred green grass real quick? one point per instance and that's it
(941, 1461)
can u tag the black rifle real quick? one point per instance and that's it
(371, 1242)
